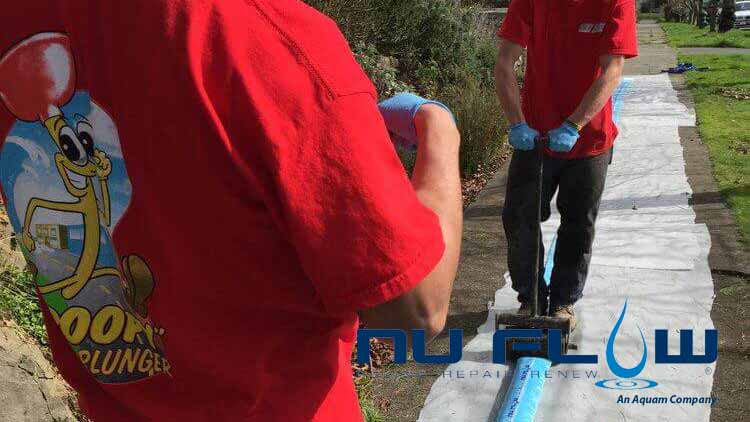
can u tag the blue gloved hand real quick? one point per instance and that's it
(564, 138)
(522, 136)
(399, 111)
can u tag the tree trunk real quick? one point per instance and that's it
(712, 11)
(701, 14)
(726, 20)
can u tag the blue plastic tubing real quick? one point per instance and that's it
(522, 398)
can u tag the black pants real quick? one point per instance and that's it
(580, 183)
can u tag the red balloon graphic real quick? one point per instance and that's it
(37, 76)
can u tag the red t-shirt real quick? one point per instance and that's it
(207, 194)
(565, 40)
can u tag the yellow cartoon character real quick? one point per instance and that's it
(80, 166)
(38, 76)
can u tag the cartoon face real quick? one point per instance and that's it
(76, 150)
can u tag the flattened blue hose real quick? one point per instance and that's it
(522, 398)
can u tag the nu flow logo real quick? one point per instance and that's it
(627, 378)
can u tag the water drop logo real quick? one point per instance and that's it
(626, 376)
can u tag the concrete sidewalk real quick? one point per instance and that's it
(654, 54)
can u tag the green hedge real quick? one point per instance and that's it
(432, 47)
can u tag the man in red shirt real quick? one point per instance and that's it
(208, 197)
(576, 50)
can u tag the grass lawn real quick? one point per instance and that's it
(722, 97)
(687, 35)
(655, 16)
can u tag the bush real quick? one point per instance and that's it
(18, 301)
(477, 112)
(434, 48)
(382, 70)
(433, 44)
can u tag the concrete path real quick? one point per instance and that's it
(728, 51)
(31, 390)
(655, 54)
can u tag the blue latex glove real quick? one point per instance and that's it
(522, 137)
(398, 113)
(563, 139)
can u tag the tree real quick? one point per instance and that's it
(682, 11)
(701, 14)
(712, 11)
(726, 19)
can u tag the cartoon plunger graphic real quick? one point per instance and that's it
(37, 78)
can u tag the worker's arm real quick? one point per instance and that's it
(506, 83)
(521, 136)
(600, 91)
(438, 186)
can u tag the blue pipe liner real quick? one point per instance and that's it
(550, 262)
(617, 98)
(525, 392)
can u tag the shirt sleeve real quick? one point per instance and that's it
(516, 26)
(620, 36)
(349, 209)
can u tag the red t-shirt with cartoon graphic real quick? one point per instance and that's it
(206, 194)
(564, 41)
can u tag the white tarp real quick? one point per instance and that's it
(649, 251)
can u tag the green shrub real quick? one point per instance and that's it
(433, 44)
(381, 69)
(437, 49)
(19, 302)
(483, 131)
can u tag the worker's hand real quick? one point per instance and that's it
(522, 137)
(564, 138)
(399, 112)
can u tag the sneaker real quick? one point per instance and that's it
(566, 311)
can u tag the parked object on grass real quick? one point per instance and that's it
(742, 15)
(684, 67)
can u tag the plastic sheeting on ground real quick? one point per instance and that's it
(649, 251)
